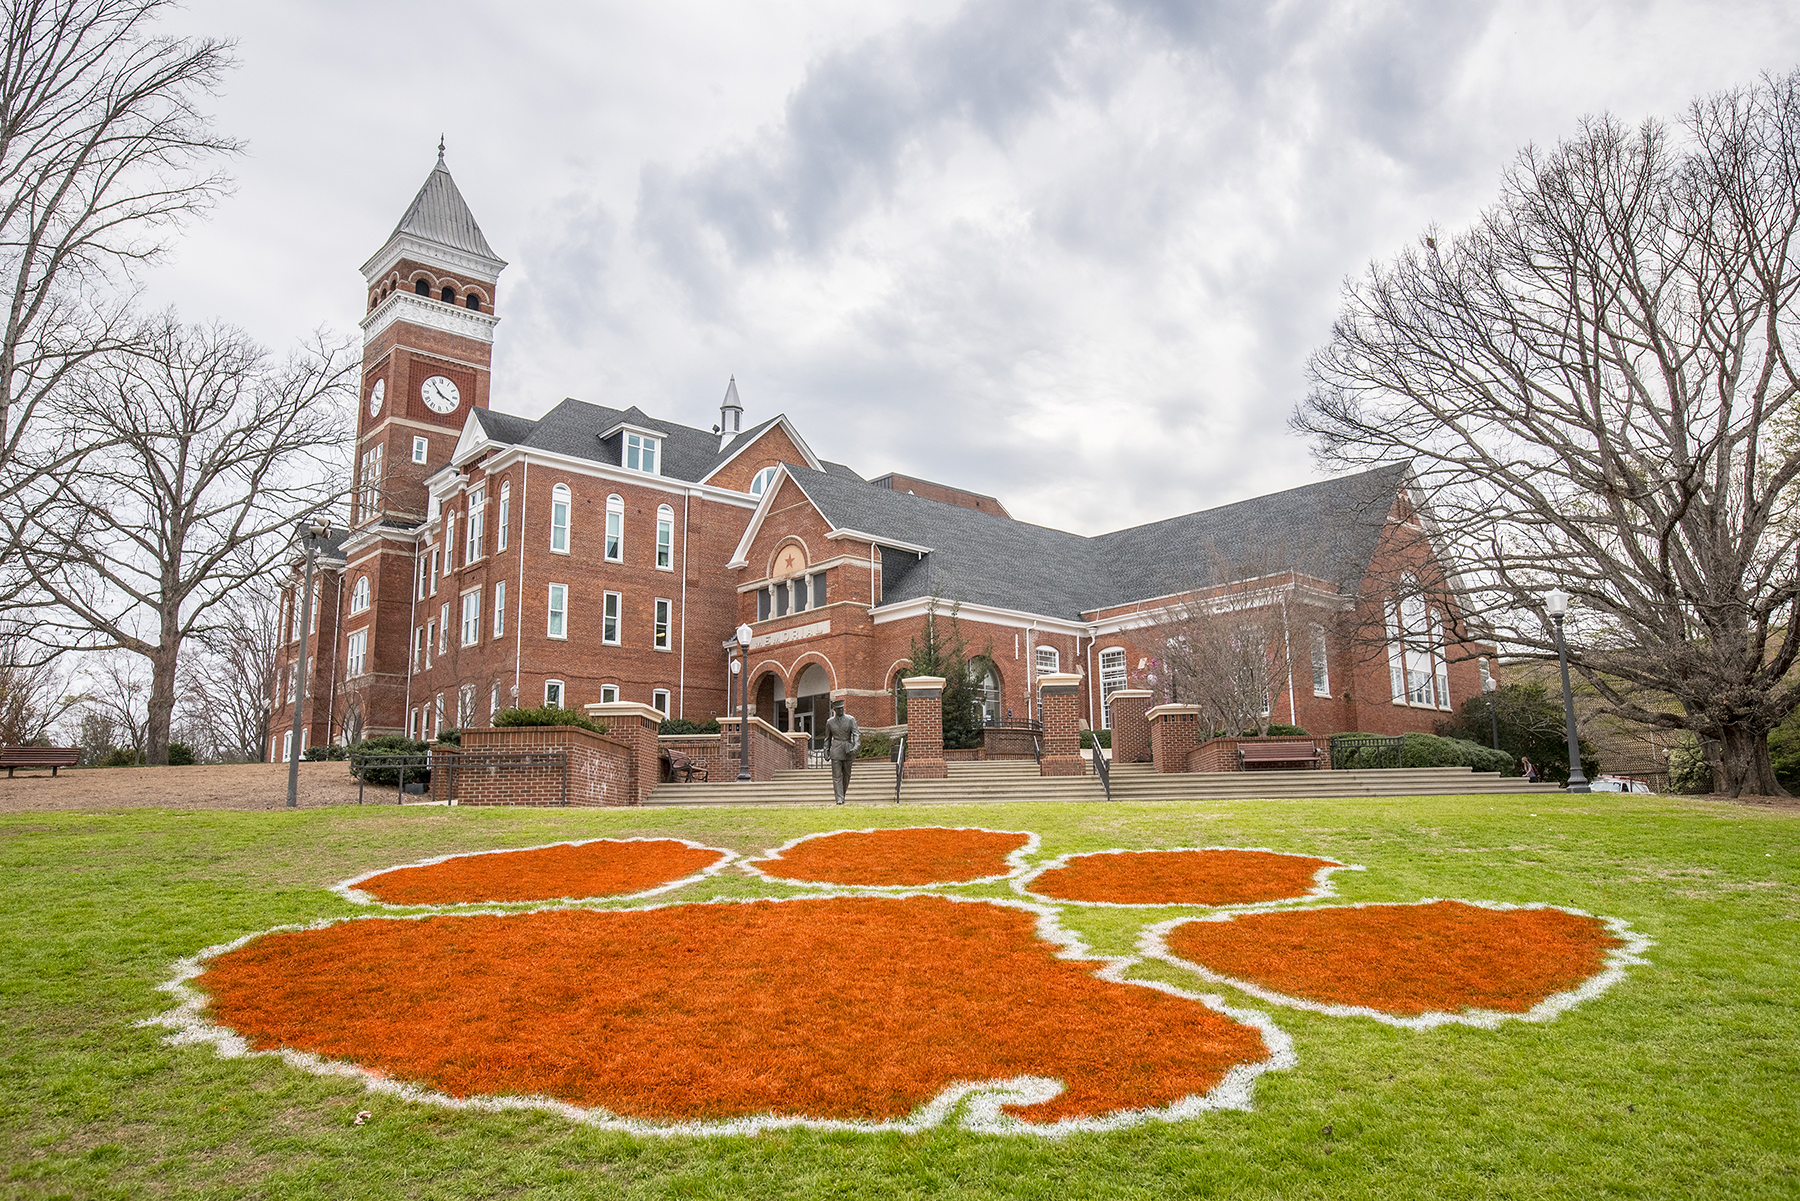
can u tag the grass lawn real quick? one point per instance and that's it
(1684, 1080)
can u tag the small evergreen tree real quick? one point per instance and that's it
(940, 651)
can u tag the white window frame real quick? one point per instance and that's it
(659, 700)
(641, 452)
(556, 624)
(612, 609)
(1038, 654)
(421, 448)
(359, 595)
(615, 528)
(437, 720)
(287, 745)
(609, 694)
(493, 702)
(1321, 662)
(505, 514)
(1110, 682)
(471, 617)
(500, 609)
(665, 538)
(474, 526)
(562, 505)
(761, 481)
(444, 628)
(357, 657)
(435, 553)
(659, 630)
(430, 637)
(555, 693)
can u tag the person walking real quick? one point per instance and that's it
(1528, 769)
(842, 739)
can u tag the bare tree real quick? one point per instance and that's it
(1596, 388)
(117, 687)
(104, 150)
(34, 693)
(231, 683)
(202, 451)
(1228, 652)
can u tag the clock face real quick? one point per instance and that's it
(440, 394)
(376, 394)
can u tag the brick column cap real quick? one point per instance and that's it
(600, 712)
(1127, 693)
(923, 683)
(1058, 681)
(757, 721)
(1157, 711)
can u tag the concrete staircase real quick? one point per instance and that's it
(1018, 780)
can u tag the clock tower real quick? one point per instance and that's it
(428, 340)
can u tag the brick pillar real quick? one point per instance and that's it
(443, 770)
(1130, 728)
(1057, 692)
(925, 728)
(636, 726)
(1174, 733)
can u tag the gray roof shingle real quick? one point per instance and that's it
(439, 214)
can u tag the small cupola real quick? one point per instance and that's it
(731, 414)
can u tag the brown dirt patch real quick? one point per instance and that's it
(842, 1007)
(1404, 960)
(216, 786)
(903, 858)
(603, 868)
(1180, 877)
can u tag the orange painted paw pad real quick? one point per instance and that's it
(905, 858)
(710, 1014)
(1209, 876)
(1421, 964)
(603, 867)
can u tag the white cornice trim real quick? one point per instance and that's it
(506, 454)
(878, 540)
(431, 254)
(425, 311)
(901, 610)
(361, 539)
(781, 420)
(811, 568)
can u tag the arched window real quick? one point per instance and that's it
(422, 287)
(448, 295)
(984, 682)
(505, 514)
(560, 502)
(615, 528)
(762, 481)
(472, 301)
(665, 538)
(359, 595)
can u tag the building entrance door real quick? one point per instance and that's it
(813, 709)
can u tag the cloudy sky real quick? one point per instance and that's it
(1072, 253)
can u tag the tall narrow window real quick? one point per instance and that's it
(430, 637)
(1415, 637)
(437, 723)
(500, 608)
(420, 448)
(444, 627)
(505, 514)
(559, 611)
(434, 571)
(471, 617)
(449, 542)
(358, 658)
(609, 623)
(1396, 656)
(560, 500)
(420, 590)
(1440, 666)
(448, 295)
(473, 528)
(553, 694)
(665, 538)
(660, 637)
(781, 600)
(493, 703)
(422, 287)
(762, 604)
(818, 597)
(615, 529)
(1320, 664)
(1112, 678)
(359, 595)
(802, 592)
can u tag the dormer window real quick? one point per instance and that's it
(763, 479)
(640, 453)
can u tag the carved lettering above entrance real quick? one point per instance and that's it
(792, 634)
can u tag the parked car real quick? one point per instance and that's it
(1618, 784)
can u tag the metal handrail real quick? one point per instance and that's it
(1345, 747)
(1102, 768)
(899, 765)
(360, 763)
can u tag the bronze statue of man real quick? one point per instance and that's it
(842, 740)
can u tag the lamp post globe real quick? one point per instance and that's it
(741, 668)
(1556, 604)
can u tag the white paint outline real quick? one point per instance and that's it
(1017, 859)
(984, 1099)
(1153, 944)
(1321, 889)
(350, 892)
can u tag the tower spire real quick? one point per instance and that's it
(440, 161)
(731, 414)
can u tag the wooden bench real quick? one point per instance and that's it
(1264, 753)
(52, 757)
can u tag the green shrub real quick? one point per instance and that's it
(120, 757)
(548, 715)
(1088, 736)
(1280, 730)
(391, 744)
(450, 737)
(1434, 750)
(875, 746)
(334, 752)
(687, 725)
(181, 755)
(1689, 772)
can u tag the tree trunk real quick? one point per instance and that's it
(162, 703)
(1744, 768)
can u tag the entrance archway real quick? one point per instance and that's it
(770, 701)
(813, 688)
(984, 683)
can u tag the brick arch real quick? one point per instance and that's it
(810, 657)
(887, 681)
(769, 667)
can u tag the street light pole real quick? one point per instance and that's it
(743, 641)
(1491, 687)
(1556, 603)
(318, 528)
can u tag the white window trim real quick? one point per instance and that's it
(504, 514)
(421, 449)
(500, 609)
(1321, 660)
(648, 445)
(662, 622)
(759, 483)
(1124, 680)
(562, 496)
(359, 595)
(1037, 660)
(615, 508)
(665, 537)
(552, 610)
(662, 695)
(469, 630)
(357, 644)
(609, 694)
(617, 600)
(562, 694)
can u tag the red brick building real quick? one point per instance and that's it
(604, 554)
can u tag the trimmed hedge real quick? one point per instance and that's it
(687, 725)
(1434, 750)
(875, 746)
(547, 715)
(1088, 736)
(391, 744)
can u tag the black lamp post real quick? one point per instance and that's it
(316, 530)
(1491, 686)
(742, 666)
(1556, 604)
